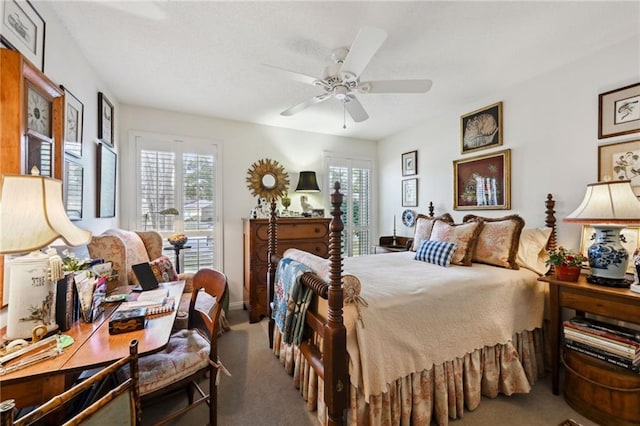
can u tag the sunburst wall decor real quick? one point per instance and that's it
(267, 179)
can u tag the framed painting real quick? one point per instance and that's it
(107, 166)
(410, 192)
(73, 120)
(23, 29)
(410, 163)
(105, 120)
(483, 182)
(619, 111)
(620, 161)
(481, 129)
(73, 185)
(629, 237)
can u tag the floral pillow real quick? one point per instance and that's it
(498, 240)
(163, 269)
(424, 225)
(463, 235)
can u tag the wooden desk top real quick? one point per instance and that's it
(93, 345)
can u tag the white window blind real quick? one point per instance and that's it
(354, 176)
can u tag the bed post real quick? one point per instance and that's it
(336, 379)
(272, 245)
(550, 222)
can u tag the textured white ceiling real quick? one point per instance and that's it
(206, 57)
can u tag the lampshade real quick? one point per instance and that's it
(170, 212)
(607, 202)
(307, 182)
(32, 215)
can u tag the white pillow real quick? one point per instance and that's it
(532, 252)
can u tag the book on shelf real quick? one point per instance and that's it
(608, 331)
(603, 355)
(600, 343)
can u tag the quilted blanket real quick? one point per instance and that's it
(290, 300)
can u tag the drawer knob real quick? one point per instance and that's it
(317, 230)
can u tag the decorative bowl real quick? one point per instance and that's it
(177, 240)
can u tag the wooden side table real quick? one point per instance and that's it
(386, 245)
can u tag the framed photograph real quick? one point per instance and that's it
(481, 129)
(620, 161)
(629, 236)
(105, 120)
(410, 192)
(23, 29)
(410, 163)
(483, 182)
(317, 213)
(73, 120)
(107, 166)
(73, 185)
(619, 111)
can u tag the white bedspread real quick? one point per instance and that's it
(421, 314)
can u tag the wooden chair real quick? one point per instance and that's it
(192, 354)
(120, 406)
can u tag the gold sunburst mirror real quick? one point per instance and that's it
(267, 179)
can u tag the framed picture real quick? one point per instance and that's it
(629, 236)
(105, 120)
(481, 129)
(317, 213)
(620, 161)
(483, 182)
(106, 181)
(410, 163)
(619, 111)
(73, 119)
(23, 29)
(410, 192)
(73, 185)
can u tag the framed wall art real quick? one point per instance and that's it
(23, 29)
(410, 163)
(73, 120)
(481, 129)
(105, 120)
(107, 166)
(73, 185)
(483, 182)
(619, 111)
(620, 161)
(410, 192)
(629, 238)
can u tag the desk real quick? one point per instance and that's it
(93, 347)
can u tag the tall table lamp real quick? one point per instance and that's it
(32, 216)
(608, 207)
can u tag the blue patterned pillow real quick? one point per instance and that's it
(436, 252)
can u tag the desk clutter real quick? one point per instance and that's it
(132, 315)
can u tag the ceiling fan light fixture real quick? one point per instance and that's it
(340, 92)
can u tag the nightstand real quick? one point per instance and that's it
(385, 244)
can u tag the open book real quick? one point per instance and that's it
(156, 301)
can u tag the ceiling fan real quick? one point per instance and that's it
(341, 79)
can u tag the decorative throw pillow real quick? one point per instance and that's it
(436, 252)
(163, 269)
(532, 252)
(463, 235)
(498, 240)
(424, 225)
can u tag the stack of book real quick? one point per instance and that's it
(608, 342)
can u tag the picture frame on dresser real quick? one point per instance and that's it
(106, 171)
(620, 161)
(23, 29)
(619, 111)
(73, 123)
(493, 172)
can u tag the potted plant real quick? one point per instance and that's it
(566, 262)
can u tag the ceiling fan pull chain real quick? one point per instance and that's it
(344, 115)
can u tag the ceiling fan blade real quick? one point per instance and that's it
(365, 45)
(302, 78)
(355, 109)
(395, 86)
(304, 105)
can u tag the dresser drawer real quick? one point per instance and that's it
(297, 229)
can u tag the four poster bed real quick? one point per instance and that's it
(394, 340)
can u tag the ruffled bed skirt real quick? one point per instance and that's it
(435, 395)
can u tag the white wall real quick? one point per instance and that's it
(242, 145)
(551, 127)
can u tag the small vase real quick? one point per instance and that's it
(567, 273)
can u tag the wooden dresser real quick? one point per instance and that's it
(309, 234)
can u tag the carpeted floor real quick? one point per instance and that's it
(260, 393)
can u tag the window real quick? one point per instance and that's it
(180, 176)
(355, 178)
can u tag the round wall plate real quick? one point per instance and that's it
(408, 218)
